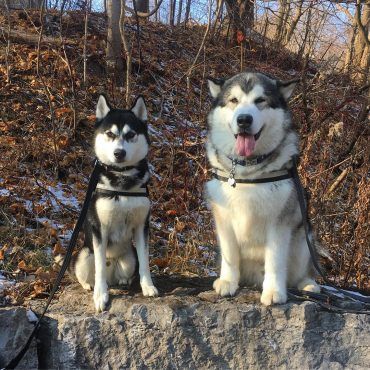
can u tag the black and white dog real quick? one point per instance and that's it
(119, 210)
(259, 225)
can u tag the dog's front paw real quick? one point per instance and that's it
(271, 296)
(149, 290)
(224, 287)
(101, 297)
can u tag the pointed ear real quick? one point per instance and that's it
(287, 87)
(215, 85)
(139, 109)
(102, 108)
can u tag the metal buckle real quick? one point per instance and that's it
(252, 162)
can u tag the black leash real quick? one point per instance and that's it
(304, 212)
(90, 189)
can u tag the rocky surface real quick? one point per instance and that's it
(191, 328)
(15, 329)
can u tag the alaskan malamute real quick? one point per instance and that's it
(119, 210)
(259, 225)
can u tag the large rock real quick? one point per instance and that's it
(15, 329)
(191, 328)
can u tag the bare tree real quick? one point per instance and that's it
(142, 5)
(127, 49)
(241, 13)
(87, 9)
(7, 50)
(114, 48)
(179, 13)
(187, 12)
(358, 53)
(172, 12)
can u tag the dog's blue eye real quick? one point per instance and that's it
(234, 101)
(110, 134)
(260, 100)
(130, 135)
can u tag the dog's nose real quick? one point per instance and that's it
(119, 154)
(244, 121)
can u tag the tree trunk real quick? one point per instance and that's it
(361, 55)
(114, 47)
(187, 12)
(298, 14)
(280, 25)
(172, 12)
(179, 12)
(142, 6)
(241, 13)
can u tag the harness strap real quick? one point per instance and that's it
(114, 193)
(279, 175)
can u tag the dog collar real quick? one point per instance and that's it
(114, 168)
(261, 179)
(250, 161)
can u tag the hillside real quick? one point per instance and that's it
(46, 125)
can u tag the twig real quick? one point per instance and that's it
(127, 49)
(46, 89)
(188, 75)
(70, 73)
(137, 33)
(338, 180)
(7, 50)
(85, 40)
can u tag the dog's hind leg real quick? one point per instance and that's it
(228, 282)
(84, 268)
(276, 265)
(309, 284)
(125, 268)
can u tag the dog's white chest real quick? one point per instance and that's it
(122, 214)
(250, 208)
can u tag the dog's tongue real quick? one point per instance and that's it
(245, 145)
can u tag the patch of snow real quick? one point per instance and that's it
(5, 283)
(31, 316)
(341, 295)
(4, 192)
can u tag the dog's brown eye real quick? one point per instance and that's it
(130, 135)
(234, 101)
(260, 100)
(110, 134)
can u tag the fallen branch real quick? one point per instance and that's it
(33, 39)
(338, 180)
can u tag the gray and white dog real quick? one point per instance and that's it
(114, 220)
(259, 225)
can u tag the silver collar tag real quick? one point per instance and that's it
(231, 181)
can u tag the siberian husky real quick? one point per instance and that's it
(119, 210)
(259, 225)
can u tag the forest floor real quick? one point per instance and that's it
(46, 128)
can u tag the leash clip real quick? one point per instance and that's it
(231, 181)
